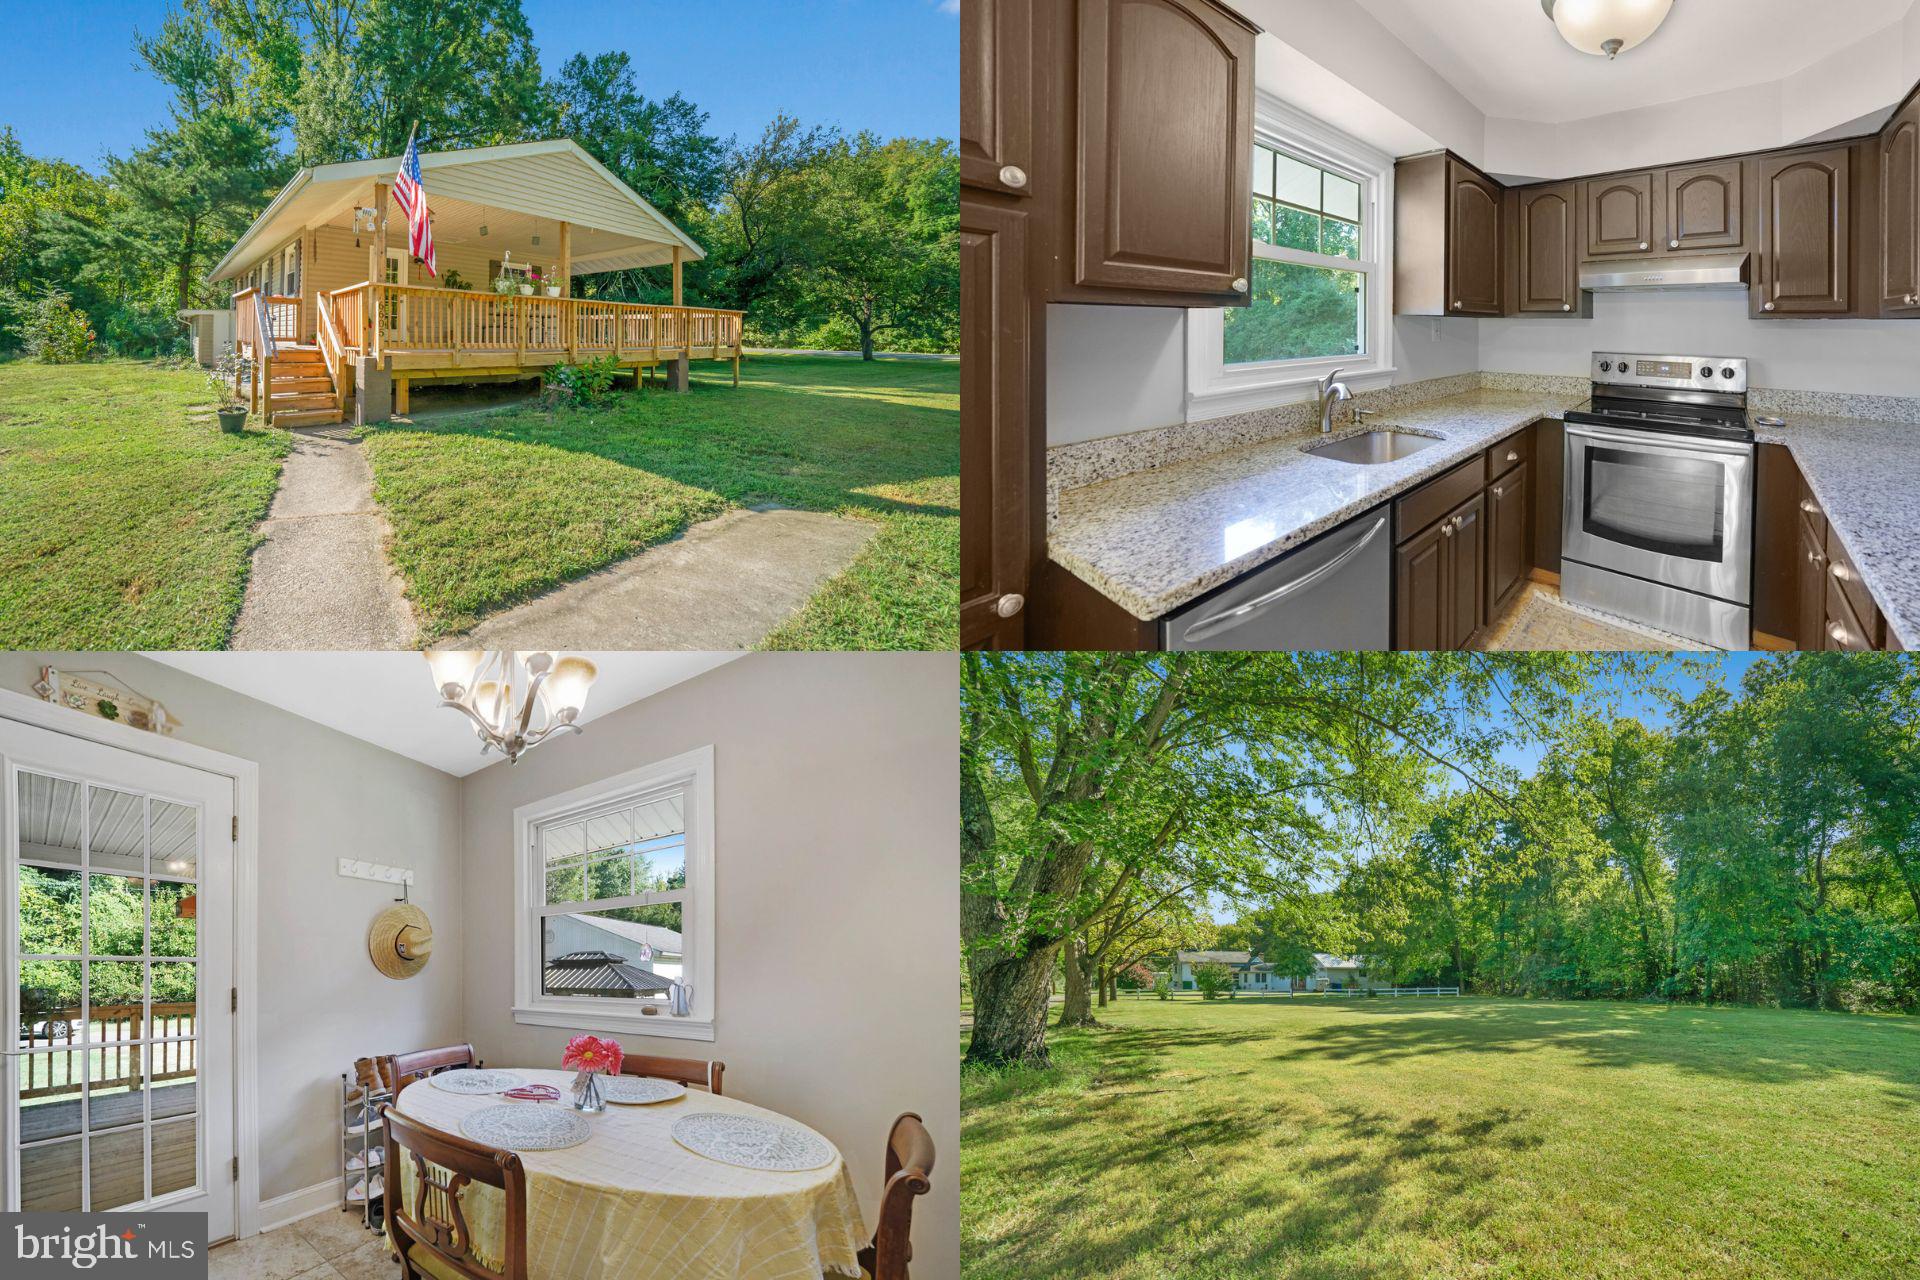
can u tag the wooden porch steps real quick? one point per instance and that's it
(301, 393)
(306, 417)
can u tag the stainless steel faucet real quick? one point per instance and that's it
(1331, 393)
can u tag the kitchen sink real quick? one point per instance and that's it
(1372, 446)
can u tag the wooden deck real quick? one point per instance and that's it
(50, 1175)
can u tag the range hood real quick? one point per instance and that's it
(1707, 271)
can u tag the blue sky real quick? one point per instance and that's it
(892, 66)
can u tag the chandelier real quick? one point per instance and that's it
(504, 694)
(1607, 27)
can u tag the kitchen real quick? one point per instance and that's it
(1440, 324)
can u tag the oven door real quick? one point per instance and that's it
(1671, 509)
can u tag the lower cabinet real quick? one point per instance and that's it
(1509, 538)
(1440, 580)
(1830, 607)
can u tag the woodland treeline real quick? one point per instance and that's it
(1491, 820)
(826, 239)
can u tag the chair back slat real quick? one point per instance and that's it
(402, 1069)
(432, 1219)
(693, 1072)
(909, 1176)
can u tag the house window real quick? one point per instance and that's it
(1319, 288)
(615, 902)
(292, 271)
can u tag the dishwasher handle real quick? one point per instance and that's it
(1227, 619)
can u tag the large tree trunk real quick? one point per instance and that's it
(1010, 1009)
(1079, 966)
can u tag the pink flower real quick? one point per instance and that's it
(591, 1053)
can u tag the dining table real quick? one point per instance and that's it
(632, 1203)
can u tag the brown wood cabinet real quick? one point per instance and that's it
(1440, 560)
(1546, 250)
(996, 95)
(1899, 152)
(1804, 266)
(1509, 537)
(1810, 572)
(1798, 554)
(1704, 208)
(1447, 242)
(1164, 152)
(1620, 215)
(995, 331)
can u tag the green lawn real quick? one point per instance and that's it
(490, 509)
(126, 521)
(1374, 1139)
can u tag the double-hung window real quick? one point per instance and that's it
(1319, 295)
(615, 903)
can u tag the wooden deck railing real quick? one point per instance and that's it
(45, 1074)
(281, 312)
(389, 319)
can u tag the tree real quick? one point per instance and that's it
(767, 221)
(660, 149)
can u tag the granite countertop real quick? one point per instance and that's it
(1154, 540)
(1866, 475)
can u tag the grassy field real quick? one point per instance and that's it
(126, 520)
(490, 509)
(1373, 1139)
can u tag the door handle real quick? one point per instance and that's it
(1693, 446)
(1227, 619)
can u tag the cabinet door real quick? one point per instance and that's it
(1704, 207)
(1473, 243)
(1166, 148)
(1900, 214)
(1508, 538)
(1547, 254)
(1811, 605)
(1419, 589)
(1805, 251)
(994, 323)
(1620, 215)
(996, 95)
(1466, 578)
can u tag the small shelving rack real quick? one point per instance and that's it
(363, 1144)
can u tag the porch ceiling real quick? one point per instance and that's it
(538, 182)
(460, 222)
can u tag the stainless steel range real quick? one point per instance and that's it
(1657, 524)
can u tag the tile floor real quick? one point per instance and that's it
(330, 1245)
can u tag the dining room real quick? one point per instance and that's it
(477, 965)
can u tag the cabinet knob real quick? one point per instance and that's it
(1566, 306)
(1456, 304)
(1838, 632)
(1013, 175)
(1913, 299)
(1767, 306)
(1809, 506)
(1446, 530)
(1672, 244)
(1240, 284)
(1815, 558)
(1840, 573)
(1643, 244)
(1513, 455)
(1499, 492)
(1008, 605)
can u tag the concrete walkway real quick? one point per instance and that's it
(321, 579)
(724, 584)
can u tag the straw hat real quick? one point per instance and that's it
(400, 941)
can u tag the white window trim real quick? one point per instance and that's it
(694, 771)
(1215, 388)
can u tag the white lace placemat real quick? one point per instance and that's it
(467, 1080)
(750, 1142)
(526, 1126)
(636, 1090)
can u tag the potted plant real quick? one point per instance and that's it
(553, 289)
(506, 281)
(533, 276)
(454, 280)
(227, 406)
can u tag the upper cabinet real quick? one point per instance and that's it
(996, 95)
(1447, 243)
(1546, 241)
(1620, 215)
(1805, 267)
(1899, 275)
(1164, 152)
(1703, 204)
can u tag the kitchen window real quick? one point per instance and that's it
(1318, 287)
(615, 903)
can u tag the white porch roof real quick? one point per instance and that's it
(555, 180)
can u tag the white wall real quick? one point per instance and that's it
(1866, 357)
(1112, 370)
(323, 795)
(838, 905)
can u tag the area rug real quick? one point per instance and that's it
(1540, 619)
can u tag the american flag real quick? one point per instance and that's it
(412, 197)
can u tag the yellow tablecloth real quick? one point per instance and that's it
(630, 1203)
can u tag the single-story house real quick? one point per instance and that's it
(333, 315)
(1251, 973)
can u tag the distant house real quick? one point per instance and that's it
(644, 946)
(1251, 973)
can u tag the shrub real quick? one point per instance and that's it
(57, 333)
(1135, 977)
(1212, 980)
(1163, 987)
(584, 383)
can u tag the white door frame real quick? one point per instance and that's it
(246, 901)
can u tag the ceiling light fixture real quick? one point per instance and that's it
(484, 686)
(1607, 27)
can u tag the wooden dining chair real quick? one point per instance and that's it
(909, 1174)
(402, 1069)
(688, 1071)
(427, 1229)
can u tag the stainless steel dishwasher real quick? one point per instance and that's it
(1332, 593)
